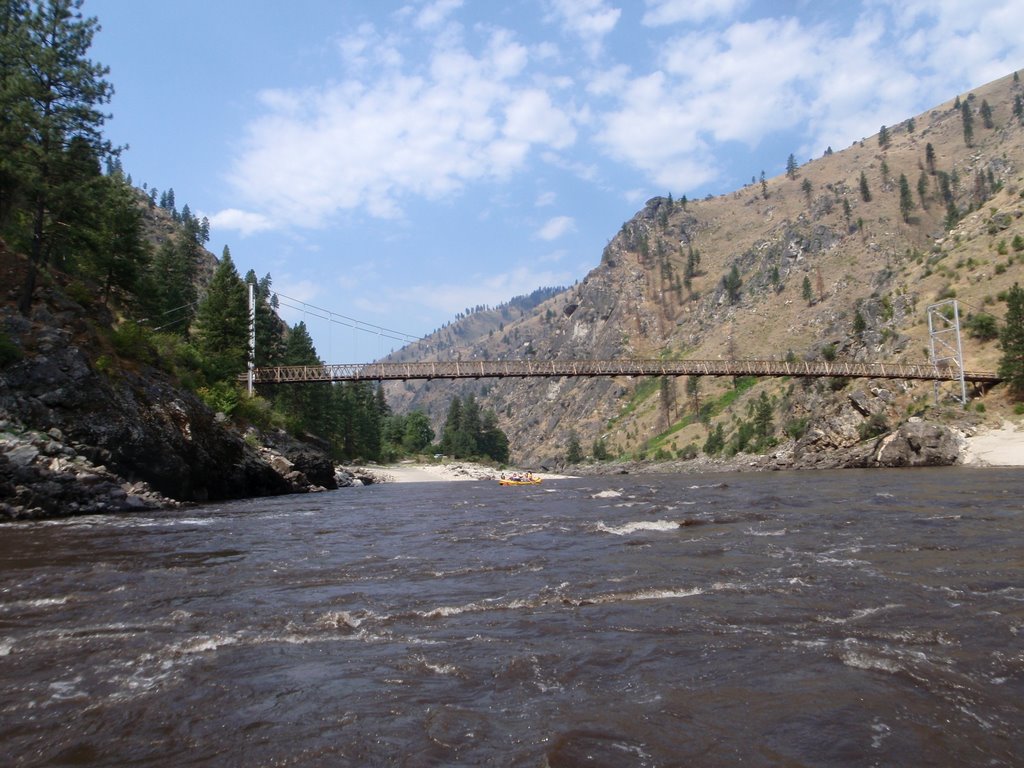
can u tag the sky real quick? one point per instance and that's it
(391, 163)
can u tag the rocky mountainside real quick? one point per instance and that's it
(837, 258)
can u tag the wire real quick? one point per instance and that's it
(349, 322)
(346, 321)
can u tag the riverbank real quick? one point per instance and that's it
(412, 472)
(1001, 446)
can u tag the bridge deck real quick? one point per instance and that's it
(484, 369)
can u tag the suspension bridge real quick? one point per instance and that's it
(945, 364)
(505, 369)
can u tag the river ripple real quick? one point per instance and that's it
(786, 619)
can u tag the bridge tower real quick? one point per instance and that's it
(945, 349)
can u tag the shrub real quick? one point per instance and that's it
(221, 397)
(134, 341)
(9, 351)
(874, 426)
(982, 326)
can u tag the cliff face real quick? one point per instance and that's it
(832, 260)
(79, 434)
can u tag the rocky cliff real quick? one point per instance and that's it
(829, 261)
(81, 431)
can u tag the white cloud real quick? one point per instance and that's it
(368, 143)
(589, 20)
(555, 227)
(663, 12)
(434, 14)
(545, 199)
(491, 289)
(245, 222)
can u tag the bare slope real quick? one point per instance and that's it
(823, 267)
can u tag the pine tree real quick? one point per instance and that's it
(883, 137)
(986, 115)
(50, 100)
(308, 405)
(732, 283)
(906, 198)
(865, 193)
(763, 426)
(1011, 364)
(222, 322)
(493, 441)
(573, 451)
(968, 121)
(171, 290)
(808, 293)
(417, 433)
(111, 247)
(791, 166)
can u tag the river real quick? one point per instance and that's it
(854, 618)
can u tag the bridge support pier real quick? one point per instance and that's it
(945, 349)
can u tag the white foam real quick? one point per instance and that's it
(44, 602)
(608, 494)
(640, 525)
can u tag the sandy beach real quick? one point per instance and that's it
(1001, 446)
(411, 472)
(995, 447)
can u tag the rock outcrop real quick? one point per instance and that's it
(79, 434)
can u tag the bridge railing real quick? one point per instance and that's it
(482, 369)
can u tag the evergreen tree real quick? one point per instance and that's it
(807, 188)
(222, 322)
(573, 451)
(859, 323)
(171, 290)
(732, 283)
(1018, 107)
(968, 121)
(929, 158)
(764, 187)
(906, 198)
(865, 193)
(493, 441)
(883, 137)
(693, 392)
(50, 98)
(986, 115)
(762, 421)
(922, 189)
(1011, 364)
(308, 405)
(808, 291)
(122, 253)
(452, 427)
(417, 433)
(791, 166)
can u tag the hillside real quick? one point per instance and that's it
(870, 264)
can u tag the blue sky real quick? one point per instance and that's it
(396, 161)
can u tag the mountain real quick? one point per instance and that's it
(839, 257)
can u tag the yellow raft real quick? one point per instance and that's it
(510, 481)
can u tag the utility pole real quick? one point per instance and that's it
(252, 334)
